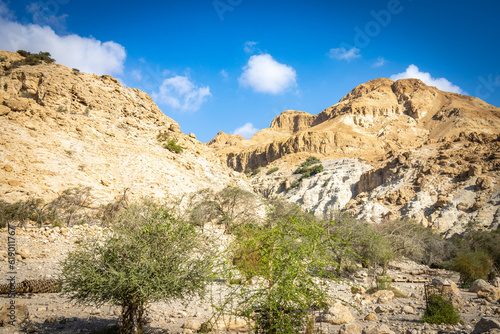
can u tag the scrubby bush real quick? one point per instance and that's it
(172, 146)
(32, 58)
(229, 207)
(286, 254)
(150, 256)
(310, 161)
(440, 311)
(272, 170)
(472, 266)
(255, 171)
(414, 241)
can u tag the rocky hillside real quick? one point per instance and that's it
(60, 129)
(389, 150)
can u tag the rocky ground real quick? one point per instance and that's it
(39, 251)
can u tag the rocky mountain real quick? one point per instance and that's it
(389, 150)
(60, 129)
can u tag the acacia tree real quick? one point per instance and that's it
(289, 256)
(230, 206)
(149, 256)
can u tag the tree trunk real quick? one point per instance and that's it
(131, 320)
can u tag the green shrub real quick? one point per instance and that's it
(440, 311)
(23, 53)
(287, 254)
(472, 266)
(272, 170)
(172, 146)
(310, 161)
(75, 70)
(255, 171)
(294, 184)
(384, 283)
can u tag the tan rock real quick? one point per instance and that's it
(13, 314)
(371, 317)
(14, 183)
(16, 104)
(352, 328)
(228, 323)
(484, 182)
(4, 110)
(8, 168)
(337, 314)
(378, 329)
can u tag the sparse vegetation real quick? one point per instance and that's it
(150, 256)
(286, 253)
(255, 171)
(439, 310)
(172, 146)
(76, 71)
(169, 143)
(307, 171)
(272, 170)
(472, 266)
(32, 59)
(62, 109)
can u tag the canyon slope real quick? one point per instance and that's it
(390, 150)
(62, 129)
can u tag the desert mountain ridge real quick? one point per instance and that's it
(375, 118)
(390, 150)
(61, 129)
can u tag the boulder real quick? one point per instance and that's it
(383, 296)
(337, 314)
(407, 309)
(486, 324)
(480, 285)
(16, 105)
(496, 282)
(444, 285)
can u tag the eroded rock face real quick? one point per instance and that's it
(61, 129)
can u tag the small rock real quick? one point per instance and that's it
(407, 309)
(4, 110)
(30, 126)
(14, 183)
(13, 314)
(192, 135)
(8, 168)
(350, 329)
(192, 324)
(378, 329)
(496, 282)
(371, 317)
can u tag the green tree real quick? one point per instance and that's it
(288, 256)
(229, 207)
(150, 256)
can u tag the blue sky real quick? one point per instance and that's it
(233, 65)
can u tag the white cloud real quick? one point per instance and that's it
(180, 93)
(380, 62)
(246, 131)
(441, 83)
(224, 74)
(265, 75)
(136, 74)
(249, 47)
(344, 54)
(42, 16)
(85, 53)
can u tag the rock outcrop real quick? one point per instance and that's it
(390, 150)
(60, 129)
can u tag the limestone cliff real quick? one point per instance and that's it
(60, 129)
(375, 118)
